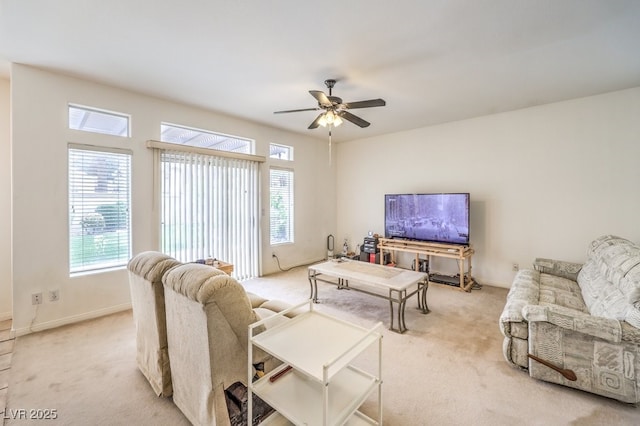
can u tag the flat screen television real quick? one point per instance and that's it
(442, 218)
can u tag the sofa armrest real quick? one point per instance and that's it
(630, 333)
(558, 268)
(525, 290)
(603, 328)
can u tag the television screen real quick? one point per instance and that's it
(442, 218)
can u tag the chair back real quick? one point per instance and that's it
(147, 300)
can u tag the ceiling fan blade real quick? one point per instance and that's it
(366, 104)
(321, 98)
(296, 110)
(354, 119)
(316, 122)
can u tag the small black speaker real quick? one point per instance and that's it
(423, 265)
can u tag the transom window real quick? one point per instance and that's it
(96, 120)
(280, 152)
(204, 139)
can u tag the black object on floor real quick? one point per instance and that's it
(236, 396)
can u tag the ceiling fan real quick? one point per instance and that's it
(334, 109)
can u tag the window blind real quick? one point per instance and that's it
(209, 208)
(281, 210)
(99, 208)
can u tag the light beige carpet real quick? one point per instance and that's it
(447, 369)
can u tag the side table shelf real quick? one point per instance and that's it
(323, 387)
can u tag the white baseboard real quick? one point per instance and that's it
(5, 316)
(288, 268)
(493, 284)
(72, 319)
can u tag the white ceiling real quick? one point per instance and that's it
(433, 61)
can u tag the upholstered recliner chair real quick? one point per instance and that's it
(147, 300)
(208, 317)
(578, 325)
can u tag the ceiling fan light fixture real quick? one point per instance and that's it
(330, 118)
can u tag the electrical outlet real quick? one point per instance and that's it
(515, 267)
(54, 295)
(36, 298)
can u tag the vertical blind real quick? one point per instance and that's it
(209, 208)
(99, 207)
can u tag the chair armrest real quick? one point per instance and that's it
(606, 329)
(558, 268)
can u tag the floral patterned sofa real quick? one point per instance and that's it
(581, 321)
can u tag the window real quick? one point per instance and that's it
(98, 121)
(281, 200)
(209, 208)
(281, 152)
(99, 208)
(204, 139)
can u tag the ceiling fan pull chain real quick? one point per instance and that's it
(329, 144)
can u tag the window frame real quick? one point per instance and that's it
(250, 143)
(89, 109)
(286, 148)
(290, 220)
(79, 222)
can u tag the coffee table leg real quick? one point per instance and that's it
(313, 284)
(422, 297)
(391, 310)
(343, 284)
(401, 308)
(401, 300)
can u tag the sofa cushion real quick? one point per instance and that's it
(264, 313)
(255, 300)
(557, 267)
(560, 291)
(618, 260)
(610, 279)
(601, 296)
(276, 305)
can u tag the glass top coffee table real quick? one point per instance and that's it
(393, 284)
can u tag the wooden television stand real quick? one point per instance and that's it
(460, 253)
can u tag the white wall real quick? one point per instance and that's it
(40, 243)
(544, 181)
(5, 202)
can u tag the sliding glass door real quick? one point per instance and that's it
(209, 208)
